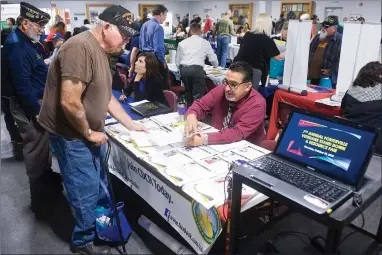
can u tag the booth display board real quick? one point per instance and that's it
(297, 54)
(360, 45)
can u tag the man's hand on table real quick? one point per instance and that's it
(122, 98)
(191, 126)
(196, 140)
(137, 127)
(97, 138)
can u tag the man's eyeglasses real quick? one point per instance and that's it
(124, 37)
(232, 85)
(40, 27)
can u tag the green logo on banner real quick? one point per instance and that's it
(208, 221)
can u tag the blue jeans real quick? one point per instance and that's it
(82, 169)
(222, 44)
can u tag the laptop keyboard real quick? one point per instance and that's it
(320, 188)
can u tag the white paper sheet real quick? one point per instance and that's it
(329, 102)
(250, 152)
(215, 164)
(171, 157)
(167, 119)
(195, 152)
(138, 103)
(187, 172)
(226, 147)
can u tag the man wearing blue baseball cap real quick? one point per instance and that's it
(76, 100)
(24, 74)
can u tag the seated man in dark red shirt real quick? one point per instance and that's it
(237, 110)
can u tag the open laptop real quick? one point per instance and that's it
(318, 161)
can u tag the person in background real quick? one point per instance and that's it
(146, 84)
(180, 31)
(223, 30)
(24, 72)
(316, 26)
(76, 31)
(284, 33)
(208, 25)
(16, 140)
(237, 111)
(190, 57)
(134, 50)
(197, 19)
(77, 97)
(87, 23)
(257, 48)
(57, 28)
(304, 16)
(362, 102)
(11, 23)
(152, 39)
(67, 35)
(324, 53)
(291, 16)
(361, 19)
(279, 24)
(185, 20)
(58, 40)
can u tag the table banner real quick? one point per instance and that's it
(198, 226)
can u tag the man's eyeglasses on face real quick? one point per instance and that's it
(40, 28)
(124, 37)
(231, 84)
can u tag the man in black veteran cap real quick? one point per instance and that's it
(325, 51)
(24, 74)
(77, 98)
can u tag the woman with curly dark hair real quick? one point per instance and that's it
(147, 83)
(362, 103)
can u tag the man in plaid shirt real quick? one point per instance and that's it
(325, 51)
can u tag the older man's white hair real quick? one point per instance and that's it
(305, 17)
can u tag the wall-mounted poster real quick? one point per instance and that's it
(145, 10)
(289, 8)
(94, 10)
(242, 13)
(299, 7)
(294, 7)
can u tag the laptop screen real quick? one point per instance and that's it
(331, 148)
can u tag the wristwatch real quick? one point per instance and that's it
(205, 139)
(88, 133)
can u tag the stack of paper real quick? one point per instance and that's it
(167, 119)
(139, 102)
(187, 172)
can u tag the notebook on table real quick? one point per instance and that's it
(319, 162)
(149, 109)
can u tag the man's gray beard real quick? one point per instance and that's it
(323, 36)
(33, 36)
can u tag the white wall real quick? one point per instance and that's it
(77, 7)
(370, 10)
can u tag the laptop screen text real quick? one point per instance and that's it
(333, 149)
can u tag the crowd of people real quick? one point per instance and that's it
(62, 98)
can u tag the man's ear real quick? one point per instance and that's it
(248, 86)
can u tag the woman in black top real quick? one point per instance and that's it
(362, 103)
(257, 48)
(147, 83)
